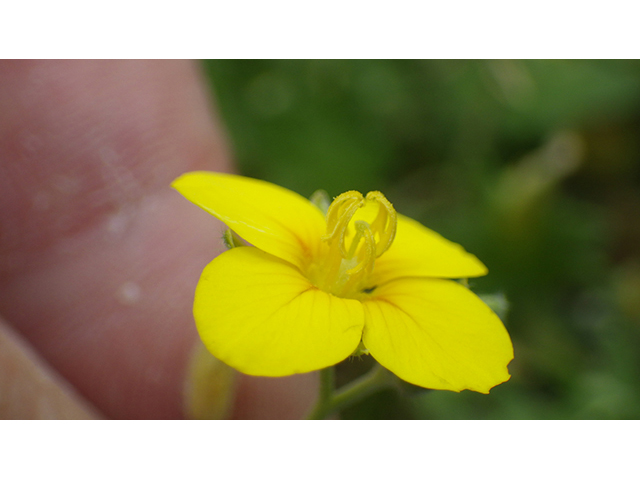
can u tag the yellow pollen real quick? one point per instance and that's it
(353, 245)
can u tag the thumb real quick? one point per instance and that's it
(99, 258)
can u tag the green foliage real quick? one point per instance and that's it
(531, 165)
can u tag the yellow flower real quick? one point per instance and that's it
(311, 290)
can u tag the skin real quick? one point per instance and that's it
(99, 258)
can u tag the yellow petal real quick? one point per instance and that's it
(272, 218)
(420, 252)
(437, 334)
(258, 314)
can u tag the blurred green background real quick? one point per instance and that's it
(534, 166)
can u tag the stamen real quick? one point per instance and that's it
(366, 253)
(356, 275)
(356, 240)
(340, 211)
(385, 222)
(345, 269)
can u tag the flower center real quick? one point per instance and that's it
(356, 235)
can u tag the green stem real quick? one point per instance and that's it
(327, 385)
(328, 402)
